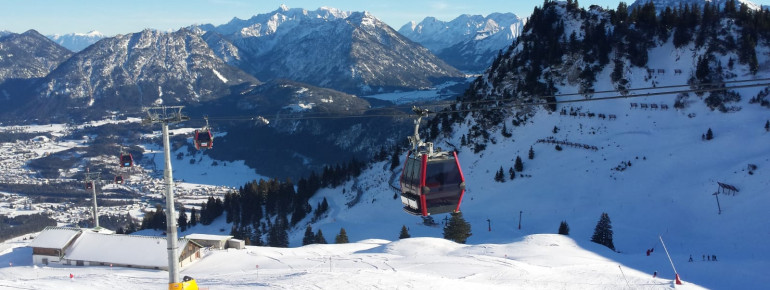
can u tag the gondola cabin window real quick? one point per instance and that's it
(412, 174)
(442, 173)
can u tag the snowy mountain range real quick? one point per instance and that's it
(29, 55)
(353, 52)
(77, 41)
(468, 42)
(139, 69)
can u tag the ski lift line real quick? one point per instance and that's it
(606, 91)
(713, 87)
(663, 87)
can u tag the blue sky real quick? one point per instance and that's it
(120, 17)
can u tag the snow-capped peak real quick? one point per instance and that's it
(77, 41)
(468, 42)
(92, 33)
(326, 12)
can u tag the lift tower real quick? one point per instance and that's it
(168, 115)
(92, 178)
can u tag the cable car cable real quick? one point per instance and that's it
(711, 87)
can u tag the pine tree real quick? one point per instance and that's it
(159, 218)
(500, 176)
(309, 236)
(518, 166)
(395, 160)
(324, 205)
(767, 126)
(319, 237)
(342, 237)
(457, 230)
(278, 236)
(256, 240)
(531, 153)
(182, 221)
(709, 134)
(511, 173)
(193, 217)
(603, 232)
(505, 132)
(131, 227)
(564, 228)
(404, 233)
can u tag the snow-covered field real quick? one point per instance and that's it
(415, 263)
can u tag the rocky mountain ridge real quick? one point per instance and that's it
(468, 42)
(146, 68)
(353, 52)
(29, 55)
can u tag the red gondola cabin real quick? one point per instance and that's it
(203, 139)
(119, 179)
(432, 183)
(126, 160)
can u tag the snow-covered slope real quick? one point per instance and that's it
(532, 262)
(77, 41)
(353, 52)
(652, 174)
(651, 170)
(468, 42)
(662, 4)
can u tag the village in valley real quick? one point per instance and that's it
(74, 232)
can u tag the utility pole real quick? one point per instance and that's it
(716, 194)
(489, 222)
(520, 212)
(92, 178)
(166, 115)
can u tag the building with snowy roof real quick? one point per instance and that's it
(49, 245)
(100, 247)
(218, 242)
(94, 249)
